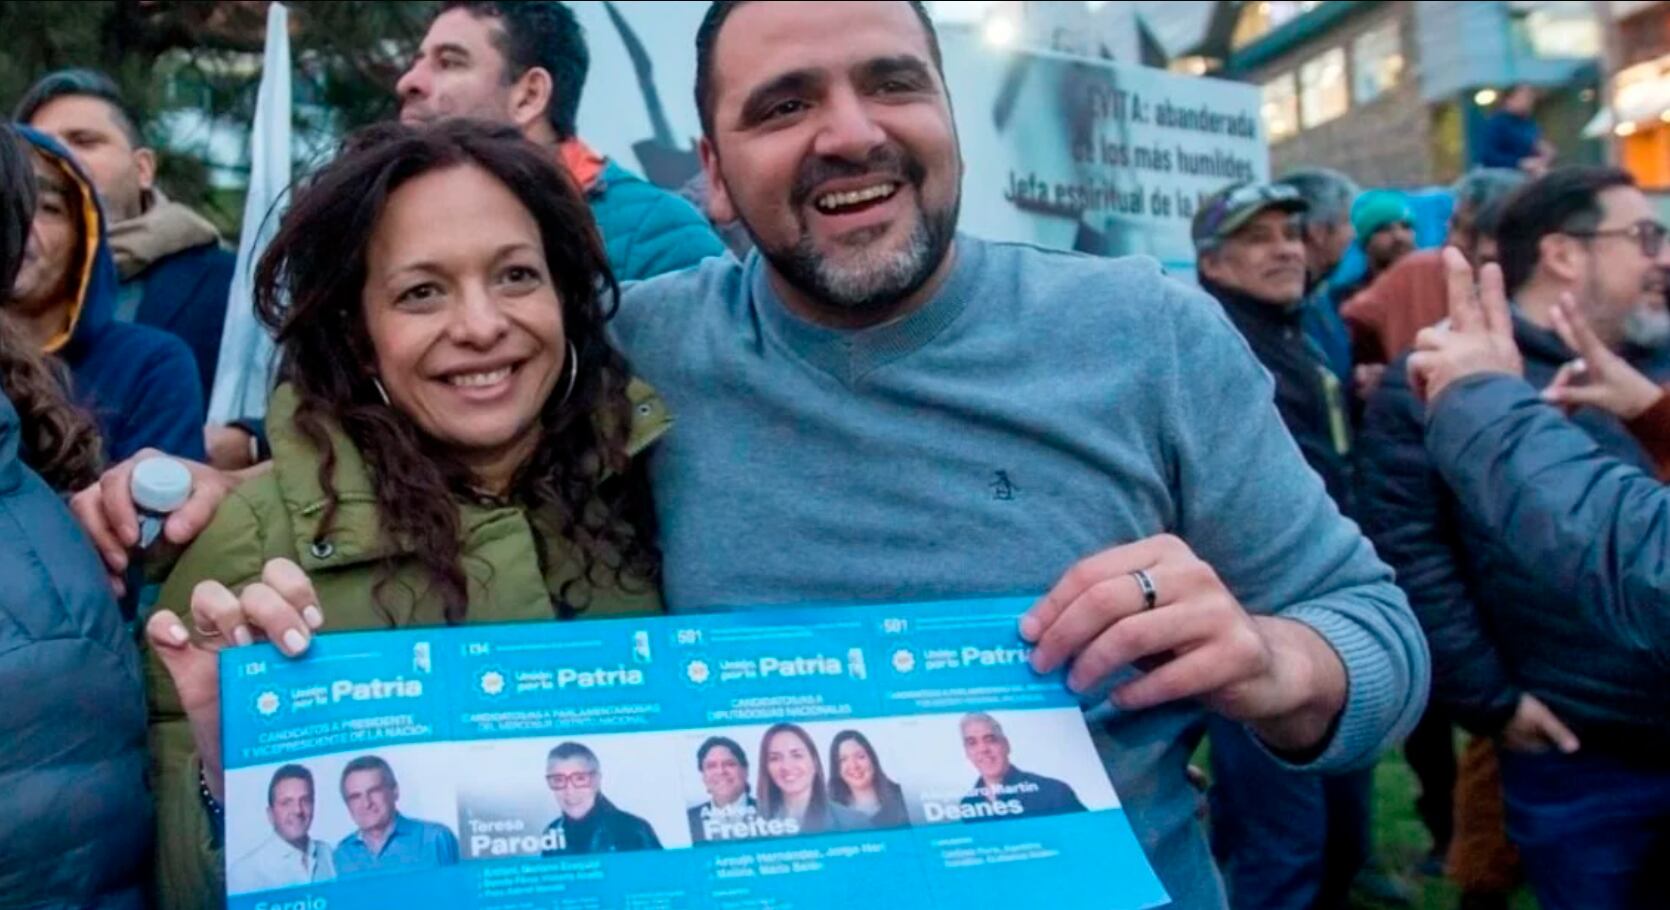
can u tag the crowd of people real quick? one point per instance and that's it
(519, 383)
(1525, 559)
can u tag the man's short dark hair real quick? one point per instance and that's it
(720, 742)
(708, 35)
(572, 750)
(82, 83)
(370, 763)
(1562, 201)
(1487, 218)
(539, 33)
(288, 772)
(1482, 186)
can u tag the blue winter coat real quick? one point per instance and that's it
(646, 229)
(184, 294)
(1496, 628)
(75, 811)
(140, 383)
(1576, 514)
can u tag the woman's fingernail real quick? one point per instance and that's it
(241, 636)
(294, 641)
(1029, 627)
(313, 617)
(179, 634)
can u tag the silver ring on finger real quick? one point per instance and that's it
(1150, 593)
(204, 633)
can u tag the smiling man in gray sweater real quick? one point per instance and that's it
(873, 407)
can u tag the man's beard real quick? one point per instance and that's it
(875, 280)
(1647, 328)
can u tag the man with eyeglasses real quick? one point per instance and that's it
(1283, 838)
(589, 822)
(1581, 724)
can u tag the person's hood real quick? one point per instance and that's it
(94, 273)
(164, 228)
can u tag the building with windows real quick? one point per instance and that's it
(1394, 92)
(1636, 115)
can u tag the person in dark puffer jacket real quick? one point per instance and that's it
(75, 813)
(1582, 725)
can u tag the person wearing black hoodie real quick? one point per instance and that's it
(140, 383)
(1580, 725)
(1284, 840)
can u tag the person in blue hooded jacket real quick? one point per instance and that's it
(140, 383)
(1577, 512)
(75, 813)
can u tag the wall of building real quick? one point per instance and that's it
(1384, 142)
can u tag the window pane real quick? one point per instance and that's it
(1323, 94)
(1280, 108)
(1259, 19)
(1563, 34)
(1376, 62)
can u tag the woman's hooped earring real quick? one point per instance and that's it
(573, 374)
(381, 392)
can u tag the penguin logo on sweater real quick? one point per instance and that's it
(1003, 489)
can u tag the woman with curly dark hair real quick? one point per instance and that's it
(453, 440)
(56, 438)
(75, 817)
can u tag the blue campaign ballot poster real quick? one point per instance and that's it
(793, 759)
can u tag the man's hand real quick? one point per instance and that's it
(1365, 378)
(1599, 378)
(106, 512)
(1534, 728)
(230, 448)
(281, 607)
(1279, 677)
(1478, 339)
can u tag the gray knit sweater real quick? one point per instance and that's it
(1042, 407)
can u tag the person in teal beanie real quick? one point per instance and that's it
(1385, 226)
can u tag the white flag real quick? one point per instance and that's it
(243, 377)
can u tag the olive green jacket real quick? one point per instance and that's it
(278, 515)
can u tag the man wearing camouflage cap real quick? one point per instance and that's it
(1284, 838)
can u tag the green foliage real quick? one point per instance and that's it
(171, 55)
